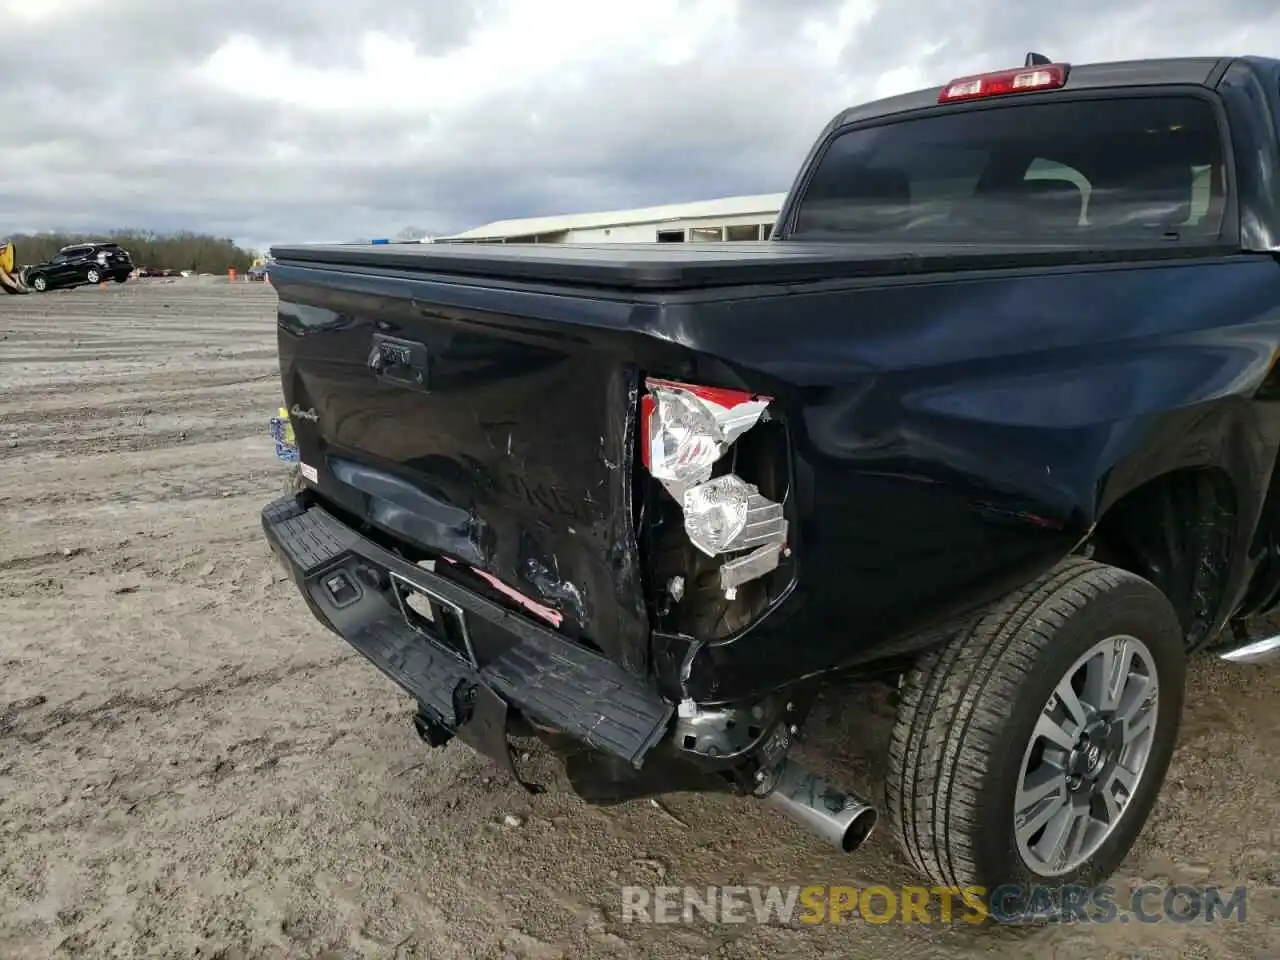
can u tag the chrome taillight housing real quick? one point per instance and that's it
(684, 430)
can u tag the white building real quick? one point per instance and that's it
(729, 218)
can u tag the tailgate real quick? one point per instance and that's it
(497, 444)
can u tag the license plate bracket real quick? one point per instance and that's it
(439, 620)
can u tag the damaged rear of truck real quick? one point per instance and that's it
(991, 419)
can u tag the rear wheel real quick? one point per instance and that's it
(1031, 748)
(38, 283)
(92, 275)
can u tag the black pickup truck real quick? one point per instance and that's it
(992, 418)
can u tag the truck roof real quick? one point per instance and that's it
(1201, 71)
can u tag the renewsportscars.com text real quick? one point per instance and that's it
(817, 904)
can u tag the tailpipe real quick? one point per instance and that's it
(840, 818)
(1266, 650)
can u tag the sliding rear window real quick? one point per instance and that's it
(1098, 170)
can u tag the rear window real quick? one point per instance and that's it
(1092, 170)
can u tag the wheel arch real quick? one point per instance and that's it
(1181, 530)
(1183, 503)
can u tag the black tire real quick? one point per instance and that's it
(93, 275)
(122, 279)
(38, 283)
(968, 711)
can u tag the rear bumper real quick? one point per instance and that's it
(471, 660)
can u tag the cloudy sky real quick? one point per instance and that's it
(277, 120)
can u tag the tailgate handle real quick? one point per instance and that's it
(399, 361)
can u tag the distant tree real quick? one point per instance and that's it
(173, 251)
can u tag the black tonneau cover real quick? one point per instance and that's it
(666, 266)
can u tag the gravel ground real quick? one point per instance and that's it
(190, 767)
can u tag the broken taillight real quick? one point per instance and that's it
(684, 430)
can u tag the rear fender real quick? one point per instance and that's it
(953, 439)
(1230, 442)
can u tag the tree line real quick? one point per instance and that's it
(160, 251)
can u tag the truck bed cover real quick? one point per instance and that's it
(674, 266)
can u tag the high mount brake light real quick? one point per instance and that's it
(1022, 80)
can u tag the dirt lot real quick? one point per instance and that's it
(189, 767)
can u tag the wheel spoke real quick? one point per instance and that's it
(1075, 709)
(1123, 671)
(1048, 812)
(1077, 835)
(1117, 674)
(1057, 840)
(1135, 728)
(1139, 692)
(1124, 777)
(1114, 807)
(1097, 680)
(1045, 782)
(1054, 732)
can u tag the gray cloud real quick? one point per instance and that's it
(965, 36)
(107, 123)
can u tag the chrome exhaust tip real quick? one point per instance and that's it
(1265, 650)
(838, 817)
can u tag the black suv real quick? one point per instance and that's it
(78, 264)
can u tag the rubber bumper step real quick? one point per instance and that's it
(311, 538)
(416, 664)
(581, 692)
(555, 681)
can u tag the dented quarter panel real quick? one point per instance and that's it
(938, 425)
(952, 434)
